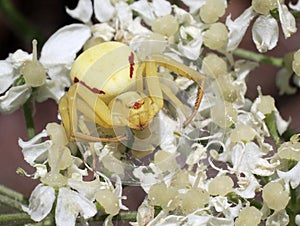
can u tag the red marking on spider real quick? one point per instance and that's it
(137, 105)
(131, 63)
(94, 90)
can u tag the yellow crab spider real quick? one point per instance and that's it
(101, 76)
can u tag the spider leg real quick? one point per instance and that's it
(79, 98)
(153, 85)
(184, 71)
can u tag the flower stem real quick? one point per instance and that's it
(27, 109)
(16, 21)
(11, 203)
(15, 217)
(278, 62)
(123, 216)
(12, 194)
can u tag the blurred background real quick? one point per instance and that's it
(45, 17)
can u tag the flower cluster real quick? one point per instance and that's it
(222, 169)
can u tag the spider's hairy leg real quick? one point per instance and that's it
(184, 71)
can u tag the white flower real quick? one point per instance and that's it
(248, 158)
(265, 33)
(34, 151)
(287, 20)
(69, 205)
(292, 176)
(296, 6)
(238, 28)
(40, 202)
(14, 98)
(283, 77)
(194, 5)
(247, 186)
(83, 11)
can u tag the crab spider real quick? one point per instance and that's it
(101, 76)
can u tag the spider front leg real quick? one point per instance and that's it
(184, 71)
(79, 98)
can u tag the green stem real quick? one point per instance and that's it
(15, 217)
(12, 194)
(17, 21)
(124, 216)
(11, 203)
(27, 109)
(278, 62)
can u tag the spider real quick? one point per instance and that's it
(101, 76)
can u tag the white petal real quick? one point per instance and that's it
(194, 5)
(296, 6)
(145, 213)
(283, 81)
(248, 189)
(281, 124)
(297, 219)
(37, 152)
(86, 188)
(40, 202)
(18, 58)
(52, 89)
(83, 11)
(144, 9)
(161, 7)
(14, 98)
(291, 176)
(104, 31)
(69, 205)
(191, 50)
(62, 46)
(238, 28)
(7, 76)
(136, 28)
(265, 33)
(103, 9)
(33, 151)
(288, 21)
(124, 14)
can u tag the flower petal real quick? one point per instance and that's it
(124, 14)
(296, 6)
(103, 9)
(104, 31)
(14, 98)
(18, 58)
(292, 176)
(83, 11)
(62, 46)
(265, 33)
(144, 9)
(161, 7)
(33, 151)
(238, 28)
(40, 202)
(194, 5)
(69, 205)
(7, 76)
(283, 77)
(288, 22)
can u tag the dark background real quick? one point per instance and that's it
(48, 16)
